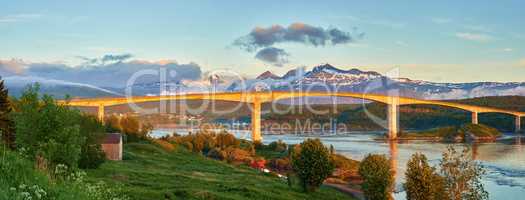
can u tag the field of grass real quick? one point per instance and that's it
(149, 172)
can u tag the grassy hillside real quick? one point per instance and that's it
(149, 172)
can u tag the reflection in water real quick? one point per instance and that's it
(393, 156)
(474, 148)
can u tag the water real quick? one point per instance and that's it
(504, 160)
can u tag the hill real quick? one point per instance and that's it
(148, 172)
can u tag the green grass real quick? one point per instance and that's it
(148, 172)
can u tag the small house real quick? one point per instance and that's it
(112, 146)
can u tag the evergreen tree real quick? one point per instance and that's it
(7, 129)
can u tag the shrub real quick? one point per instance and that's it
(378, 178)
(422, 181)
(216, 153)
(164, 145)
(462, 175)
(312, 164)
(236, 154)
(278, 146)
(225, 139)
(188, 146)
(92, 156)
(281, 164)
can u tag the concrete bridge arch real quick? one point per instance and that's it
(257, 98)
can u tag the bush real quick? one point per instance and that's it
(236, 154)
(422, 181)
(216, 153)
(378, 178)
(312, 164)
(281, 164)
(462, 175)
(225, 139)
(164, 145)
(92, 156)
(188, 146)
(278, 146)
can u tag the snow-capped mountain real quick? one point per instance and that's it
(327, 78)
(321, 78)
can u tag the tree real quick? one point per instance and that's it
(7, 127)
(312, 164)
(47, 131)
(92, 154)
(462, 175)
(378, 177)
(422, 180)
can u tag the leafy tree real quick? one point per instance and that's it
(312, 164)
(378, 177)
(92, 155)
(46, 130)
(131, 126)
(112, 124)
(7, 127)
(422, 180)
(462, 175)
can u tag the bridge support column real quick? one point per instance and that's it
(256, 121)
(518, 124)
(474, 117)
(101, 113)
(393, 117)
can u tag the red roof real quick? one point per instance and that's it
(112, 138)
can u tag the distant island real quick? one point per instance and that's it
(463, 133)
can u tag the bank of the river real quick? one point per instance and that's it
(502, 159)
(149, 172)
(463, 133)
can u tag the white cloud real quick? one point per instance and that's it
(507, 49)
(478, 28)
(474, 36)
(18, 17)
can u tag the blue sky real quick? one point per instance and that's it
(445, 41)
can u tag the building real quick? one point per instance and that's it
(112, 146)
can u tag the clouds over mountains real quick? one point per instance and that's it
(262, 40)
(106, 71)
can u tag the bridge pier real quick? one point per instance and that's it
(256, 121)
(101, 113)
(393, 118)
(518, 123)
(474, 117)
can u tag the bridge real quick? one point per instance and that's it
(257, 98)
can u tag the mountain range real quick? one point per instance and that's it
(324, 77)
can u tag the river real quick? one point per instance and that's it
(504, 160)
